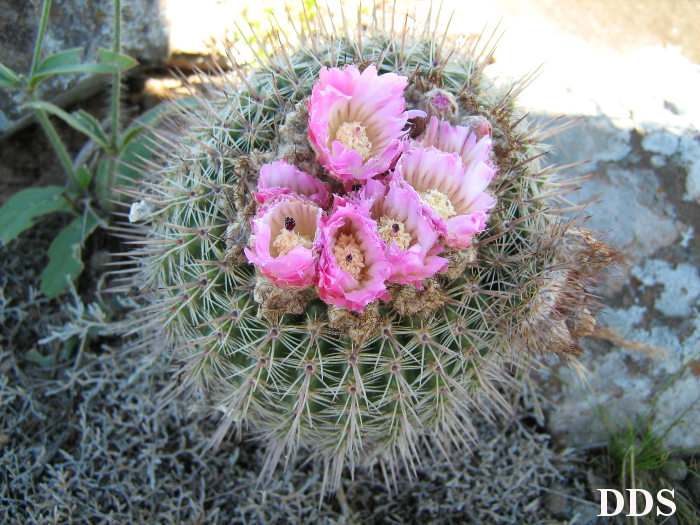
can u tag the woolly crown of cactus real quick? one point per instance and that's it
(352, 245)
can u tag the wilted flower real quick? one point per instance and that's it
(280, 178)
(411, 240)
(452, 194)
(356, 121)
(283, 239)
(353, 267)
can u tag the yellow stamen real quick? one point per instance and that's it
(392, 230)
(353, 136)
(288, 240)
(347, 253)
(439, 202)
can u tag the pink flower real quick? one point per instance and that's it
(280, 178)
(452, 194)
(356, 121)
(284, 241)
(352, 268)
(409, 236)
(459, 139)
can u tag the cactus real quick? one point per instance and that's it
(353, 385)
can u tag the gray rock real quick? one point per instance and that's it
(681, 285)
(658, 161)
(663, 142)
(676, 469)
(74, 23)
(689, 149)
(594, 141)
(649, 357)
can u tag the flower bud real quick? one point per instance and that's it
(439, 103)
(478, 125)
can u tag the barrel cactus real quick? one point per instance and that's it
(352, 244)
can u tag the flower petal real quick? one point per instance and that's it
(297, 267)
(280, 178)
(425, 170)
(337, 286)
(458, 139)
(374, 103)
(402, 204)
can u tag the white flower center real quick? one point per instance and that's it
(349, 256)
(353, 136)
(439, 202)
(392, 230)
(286, 241)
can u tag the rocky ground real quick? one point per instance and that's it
(82, 441)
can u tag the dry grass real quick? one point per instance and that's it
(84, 442)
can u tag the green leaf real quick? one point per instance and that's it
(69, 62)
(65, 255)
(98, 133)
(79, 120)
(122, 62)
(46, 361)
(83, 177)
(17, 213)
(137, 138)
(103, 181)
(130, 135)
(9, 78)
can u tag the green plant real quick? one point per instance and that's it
(636, 457)
(89, 183)
(363, 384)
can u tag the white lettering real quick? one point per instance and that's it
(667, 502)
(604, 502)
(648, 502)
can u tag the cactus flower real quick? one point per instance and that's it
(356, 121)
(410, 238)
(353, 267)
(280, 178)
(452, 194)
(459, 139)
(283, 239)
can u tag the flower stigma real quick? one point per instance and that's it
(439, 202)
(353, 136)
(287, 240)
(391, 230)
(349, 256)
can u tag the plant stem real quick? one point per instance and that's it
(40, 36)
(58, 146)
(116, 80)
(104, 186)
(57, 143)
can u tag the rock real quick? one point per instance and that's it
(681, 285)
(74, 23)
(689, 149)
(645, 171)
(557, 505)
(675, 470)
(663, 142)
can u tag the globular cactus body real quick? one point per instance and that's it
(353, 385)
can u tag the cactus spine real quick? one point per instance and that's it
(353, 388)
